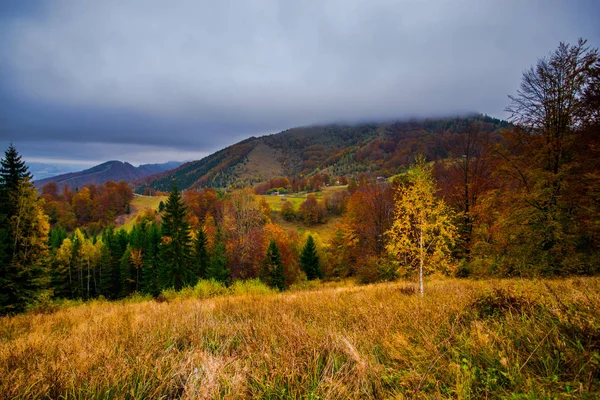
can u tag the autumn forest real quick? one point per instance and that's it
(417, 202)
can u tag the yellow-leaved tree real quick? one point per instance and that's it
(422, 232)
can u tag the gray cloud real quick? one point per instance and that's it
(195, 76)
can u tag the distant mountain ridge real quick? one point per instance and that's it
(108, 171)
(383, 148)
(46, 170)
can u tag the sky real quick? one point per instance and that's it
(149, 81)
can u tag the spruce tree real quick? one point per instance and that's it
(150, 273)
(13, 170)
(176, 247)
(273, 273)
(127, 273)
(309, 260)
(217, 267)
(115, 244)
(57, 235)
(23, 235)
(201, 258)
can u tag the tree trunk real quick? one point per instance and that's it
(421, 256)
(88, 278)
(70, 280)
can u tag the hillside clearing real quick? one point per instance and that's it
(276, 201)
(138, 204)
(464, 339)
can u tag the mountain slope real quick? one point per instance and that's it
(110, 170)
(375, 148)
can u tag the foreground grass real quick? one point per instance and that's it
(464, 339)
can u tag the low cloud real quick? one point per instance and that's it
(190, 77)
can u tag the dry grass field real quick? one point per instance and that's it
(464, 339)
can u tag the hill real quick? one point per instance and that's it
(108, 171)
(376, 148)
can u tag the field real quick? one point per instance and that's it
(138, 204)
(463, 339)
(324, 231)
(275, 202)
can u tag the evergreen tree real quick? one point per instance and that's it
(115, 244)
(138, 241)
(57, 235)
(201, 258)
(273, 270)
(217, 268)
(150, 273)
(127, 273)
(309, 260)
(176, 249)
(13, 170)
(23, 235)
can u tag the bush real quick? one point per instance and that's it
(250, 287)
(463, 270)
(44, 304)
(209, 288)
(137, 297)
(498, 302)
(376, 269)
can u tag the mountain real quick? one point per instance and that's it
(44, 170)
(151, 169)
(108, 171)
(383, 148)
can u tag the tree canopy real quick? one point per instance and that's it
(422, 232)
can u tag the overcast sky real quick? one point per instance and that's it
(152, 80)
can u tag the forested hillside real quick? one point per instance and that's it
(338, 150)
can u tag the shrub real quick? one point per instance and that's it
(376, 269)
(209, 288)
(250, 287)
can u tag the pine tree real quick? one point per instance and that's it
(273, 273)
(175, 250)
(201, 258)
(309, 260)
(217, 268)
